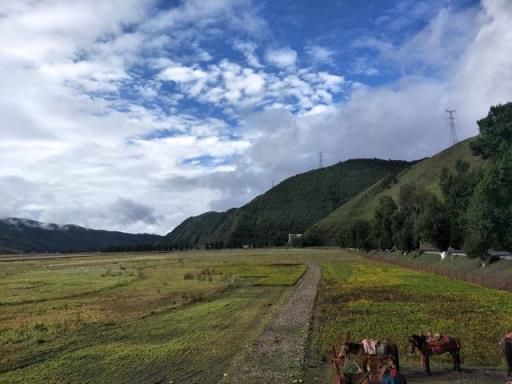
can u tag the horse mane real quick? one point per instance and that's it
(418, 339)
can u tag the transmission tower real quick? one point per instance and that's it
(320, 159)
(450, 119)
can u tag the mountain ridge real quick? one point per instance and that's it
(20, 235)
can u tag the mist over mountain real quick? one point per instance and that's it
(19, 235)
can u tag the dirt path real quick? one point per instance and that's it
(278, 355)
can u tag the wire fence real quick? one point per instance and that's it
(474, 277)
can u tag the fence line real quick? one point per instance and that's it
(474, 277)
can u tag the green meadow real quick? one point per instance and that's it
(377, 300)
(179, 317)
(189, 317)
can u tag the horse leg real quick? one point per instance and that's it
(454, 357)
(427, 363)
(362, 363)
(397, 359)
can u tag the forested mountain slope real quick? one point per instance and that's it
(290, 207)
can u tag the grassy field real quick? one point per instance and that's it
(381, 301)
(189, 317)
(135, 318)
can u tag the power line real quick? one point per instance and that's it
(450, 119)
(320, 159)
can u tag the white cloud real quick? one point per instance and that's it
(181, 74)
(249, 51)
(233, 86)
(437, 46)
(283, 57)
(320, 54)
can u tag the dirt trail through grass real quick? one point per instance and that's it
(278, 355)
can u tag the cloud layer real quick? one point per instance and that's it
(131, 116)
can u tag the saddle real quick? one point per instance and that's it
(437, 340)
(373, 347)
(437, 343)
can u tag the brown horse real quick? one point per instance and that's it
(374, 362)
(438, 346)
(370, 377)
(506, 350)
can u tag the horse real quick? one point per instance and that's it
(428, 347)
(373, 361)
(506, 350)
(370, 377)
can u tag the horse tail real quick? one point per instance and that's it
(508, 353)
(397, 358)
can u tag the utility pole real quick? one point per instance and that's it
(450, 119)
(320, 160)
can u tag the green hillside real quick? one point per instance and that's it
(424, 175)
(290, 207)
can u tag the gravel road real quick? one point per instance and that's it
(278, 355)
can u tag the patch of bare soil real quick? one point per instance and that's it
(467, 376)
(278, 355)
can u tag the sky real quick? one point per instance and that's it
(133, 115)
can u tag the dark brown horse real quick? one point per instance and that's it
(506, 350)
(364, 360)
(435, 346)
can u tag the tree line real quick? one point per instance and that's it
(473, 211)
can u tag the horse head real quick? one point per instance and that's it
(344, 350)
(415, 341)
(345, 347)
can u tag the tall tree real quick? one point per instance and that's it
(433, 223)
(490, 209)
(383, 223)
(458, 188)
(410, 201)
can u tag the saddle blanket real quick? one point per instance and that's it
(438, 343)
(369, 346)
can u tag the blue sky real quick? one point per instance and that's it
(133, 115)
